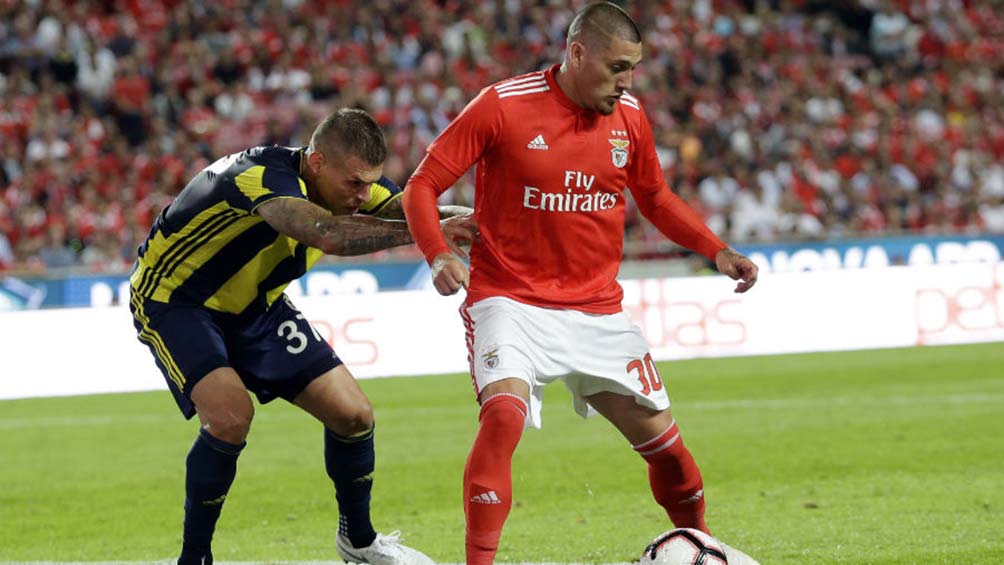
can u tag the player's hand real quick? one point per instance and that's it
(449, 274)
(459, 230)
(738, 267)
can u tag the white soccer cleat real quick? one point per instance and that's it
(385, 550)
(737, 557)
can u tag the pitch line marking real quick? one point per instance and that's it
(759, 404)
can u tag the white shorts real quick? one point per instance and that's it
(591, 353)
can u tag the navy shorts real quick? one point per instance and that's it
(275, 352)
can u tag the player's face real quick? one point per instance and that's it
(605, 73)
(342, 184)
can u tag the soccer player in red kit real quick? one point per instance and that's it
(556, 151)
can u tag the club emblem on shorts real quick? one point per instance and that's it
(492, 358)
(619, 153)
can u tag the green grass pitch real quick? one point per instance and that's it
(891, 456)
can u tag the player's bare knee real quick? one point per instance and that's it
(230, 424)
(356, 420)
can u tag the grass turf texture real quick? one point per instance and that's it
(891, 456)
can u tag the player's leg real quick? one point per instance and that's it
(336, 400)
(615, 375)
(673, 475)
(225, 412)
(503, 340)
(188, 346)
(282, 356)
(488, 472)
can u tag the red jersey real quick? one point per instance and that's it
(549, 196)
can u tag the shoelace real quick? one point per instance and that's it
(393, 537)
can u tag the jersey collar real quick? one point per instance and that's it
(551, 75)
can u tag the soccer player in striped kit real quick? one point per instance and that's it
(556, 150)
(207, 297)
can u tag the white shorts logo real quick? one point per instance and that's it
(492, 358)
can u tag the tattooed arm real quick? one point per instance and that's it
(395, 211)
(312, 225)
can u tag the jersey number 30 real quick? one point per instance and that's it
(647, 374)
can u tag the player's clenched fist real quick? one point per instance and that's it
(449, 274)
(738, 267)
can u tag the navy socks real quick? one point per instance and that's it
(349, 462)
(211, 468)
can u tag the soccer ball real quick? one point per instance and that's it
(684, 546)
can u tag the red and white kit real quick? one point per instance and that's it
(591, 353)
(551, 184)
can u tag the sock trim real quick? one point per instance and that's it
(218, 444)
(522, 407)
(659, 442)
(354, 438)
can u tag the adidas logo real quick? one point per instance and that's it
(487, 497)
(693, 499)
(537, 143)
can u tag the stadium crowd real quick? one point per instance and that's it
(776, 120)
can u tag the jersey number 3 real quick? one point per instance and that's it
(647, 374)
(297, 339)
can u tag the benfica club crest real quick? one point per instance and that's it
(619, 153)
(492, 358)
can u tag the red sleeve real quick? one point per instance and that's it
(665, 210)
(421, 205)
(457, 148)
(470, 134)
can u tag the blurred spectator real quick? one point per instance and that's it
(6, 252)
(756, 213)
(992, 214)
(104, 253)
(889, 31)
(234, 102)
(56, 253)
(95, 72)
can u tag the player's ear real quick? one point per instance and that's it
(575, 53)
(316, 160)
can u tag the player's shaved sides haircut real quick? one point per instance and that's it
(353, 132)
(598, 22)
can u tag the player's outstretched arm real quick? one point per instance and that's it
(737, 266)
(312, 225)
(394, 210)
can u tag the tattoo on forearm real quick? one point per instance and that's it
(371, 243)
(358, 235)
(336, 235)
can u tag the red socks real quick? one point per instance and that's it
(675, 479)
(488, 475)
(673, 474)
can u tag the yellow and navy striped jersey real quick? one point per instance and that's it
(209, 247)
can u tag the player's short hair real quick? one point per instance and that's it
(600, 21)
(350, 131)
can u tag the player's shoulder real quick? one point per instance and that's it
(631, 114)
(629, 105)
(272, 157)
(521, 87)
